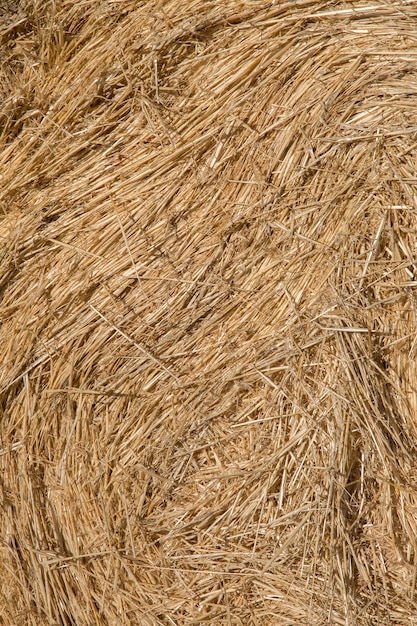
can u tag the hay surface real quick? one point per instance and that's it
(208, 314)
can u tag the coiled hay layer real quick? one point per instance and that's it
(208, 315)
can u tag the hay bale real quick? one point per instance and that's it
(208, 273)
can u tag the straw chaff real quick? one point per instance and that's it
(208, 314)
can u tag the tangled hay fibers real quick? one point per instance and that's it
(208, 315)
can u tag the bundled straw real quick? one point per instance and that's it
(208, 315)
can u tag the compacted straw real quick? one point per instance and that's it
(208, 312)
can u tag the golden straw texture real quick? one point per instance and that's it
(208, 272)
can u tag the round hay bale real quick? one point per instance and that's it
(208, 313)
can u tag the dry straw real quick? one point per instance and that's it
(208, 314)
